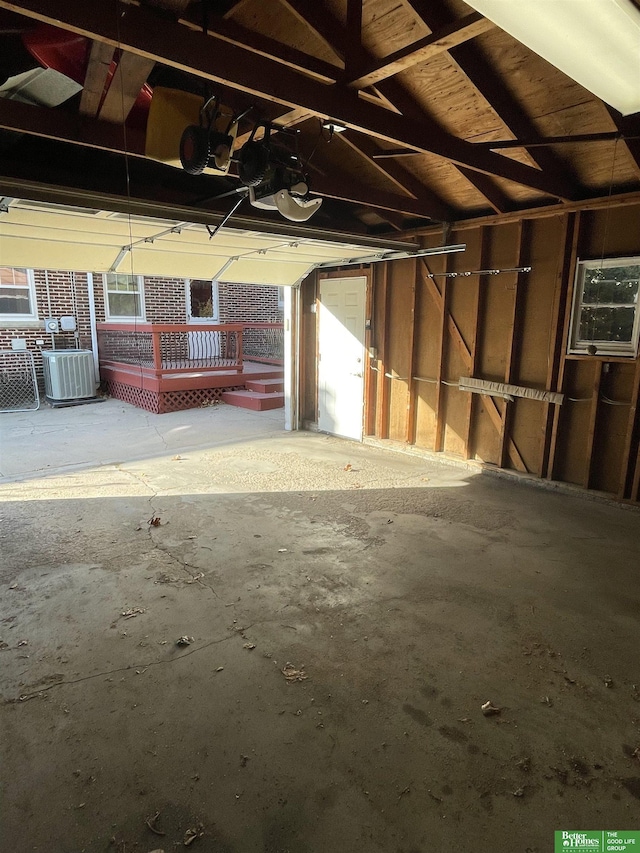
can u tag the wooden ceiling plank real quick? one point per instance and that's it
(141, 32)
(234, 33)
(404, 179)
(496, 199)
(130, 76)
(446, 38)
(95, 78)
(471, 61)
(311, 14)
(236, 6)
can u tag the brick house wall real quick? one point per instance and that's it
(244, 303)
(61, 293)
(164, 299)
(65, 293)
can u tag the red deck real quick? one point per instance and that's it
(148, 365)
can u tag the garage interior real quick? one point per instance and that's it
(221, 634)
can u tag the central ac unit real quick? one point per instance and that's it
(68, 374)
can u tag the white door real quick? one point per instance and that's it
(341, 356)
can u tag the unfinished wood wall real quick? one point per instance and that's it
(512, 327)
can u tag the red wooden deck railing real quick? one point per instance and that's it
(179, 356)
(165, 348)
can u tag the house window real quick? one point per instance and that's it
(606, 315)
(202, 300)
(123, 297)
(17, 294)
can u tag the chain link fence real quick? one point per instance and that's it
(18, 384)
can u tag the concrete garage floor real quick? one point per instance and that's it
(409, 594)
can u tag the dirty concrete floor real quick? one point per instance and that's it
(408, 593)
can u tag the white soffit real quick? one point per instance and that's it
(595, 42)
(46, 236)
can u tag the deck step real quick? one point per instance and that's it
(255, 400)
(265, 386)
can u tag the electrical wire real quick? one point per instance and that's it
(127, 182)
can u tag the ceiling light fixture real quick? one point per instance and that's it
(596, 43)
(333, 127)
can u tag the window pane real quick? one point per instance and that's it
(607, 324)
(124, 305)
(12, 276)
(201, 299)
(124, 283)
(599, 290)
(15, 300)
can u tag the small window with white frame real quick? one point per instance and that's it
(606, 310)
(17, 295)
(203, 300)
(123, 296)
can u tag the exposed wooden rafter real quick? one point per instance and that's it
(471, 61)
(131, 74)
(92, 133)
(288, 119)
(313, 16)
(495, 197)
(95, 78)
(447, 37)
(354, 36)
(403, 179)
(629, 126)
(230, 31)
(139, 31)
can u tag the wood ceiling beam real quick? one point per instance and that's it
(500, 202)
(353, 35)
(141, 32)
(344, 188)
(397, 98)
(483, 183)
(629, 126)
(92, 133)
(471, 61)
(60, 125)
(288, 119)
(312, 15)
(446, 38)
(131, 74)
(95, 78)
(230, 31)
(405, 180)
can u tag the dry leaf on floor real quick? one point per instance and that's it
(184, 641)
(292, 674)
(250, 646)
(151, 824)
(154, 521)
(347, 467)
(489, 710)
(193, 833)
(132, 611)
